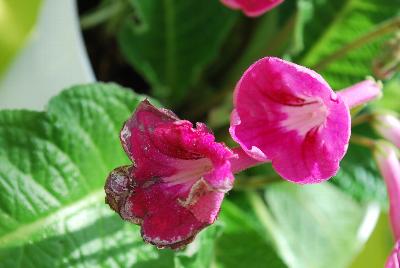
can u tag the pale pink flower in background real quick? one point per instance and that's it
(386, 156)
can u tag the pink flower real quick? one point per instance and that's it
(178, 180)
(252, 8)
(394, 259)
(388, 126)
(288, 114)
(389, 166)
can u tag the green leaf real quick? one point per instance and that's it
(378, 247)
(334, 24)
(17, 19)
(359, 177)
(53, 167)
(174, 41)
(242, 244)
(315, 225)
(200, 253)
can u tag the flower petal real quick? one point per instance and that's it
(172, 216)
(252, 8)
(288, 114)
(163, 145)
(177, 183)
(394, 258)
(166, 223)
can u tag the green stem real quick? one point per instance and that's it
(360, 119)
(363, 141)
(382, 29)
(255, 182)
(101, 15)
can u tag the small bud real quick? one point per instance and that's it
(388, 126)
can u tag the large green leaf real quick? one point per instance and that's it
(315, 225)
(53, 166)
(333, 24)
(17, 19)
(174, 41)
(201, 252)
(378, 247)
(242, 243)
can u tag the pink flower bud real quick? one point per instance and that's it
(388, 125)
(178, 180)
(389, 166)
(252, 8)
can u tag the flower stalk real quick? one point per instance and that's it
(361, 93)
(243, 161)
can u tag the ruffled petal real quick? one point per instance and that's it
(162, 144)
(177, 183)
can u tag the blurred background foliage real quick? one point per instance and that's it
(188, 55)
(17, 19)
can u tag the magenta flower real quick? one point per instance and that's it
(388, 126)
(178, 180)
(288, 114)
(252, 8)
(394, 258)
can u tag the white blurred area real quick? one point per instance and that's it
(53, 58)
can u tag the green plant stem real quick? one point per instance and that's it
(382, 29)
(101, 15)
(360, 119)
(255, 182)
(363, 141)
